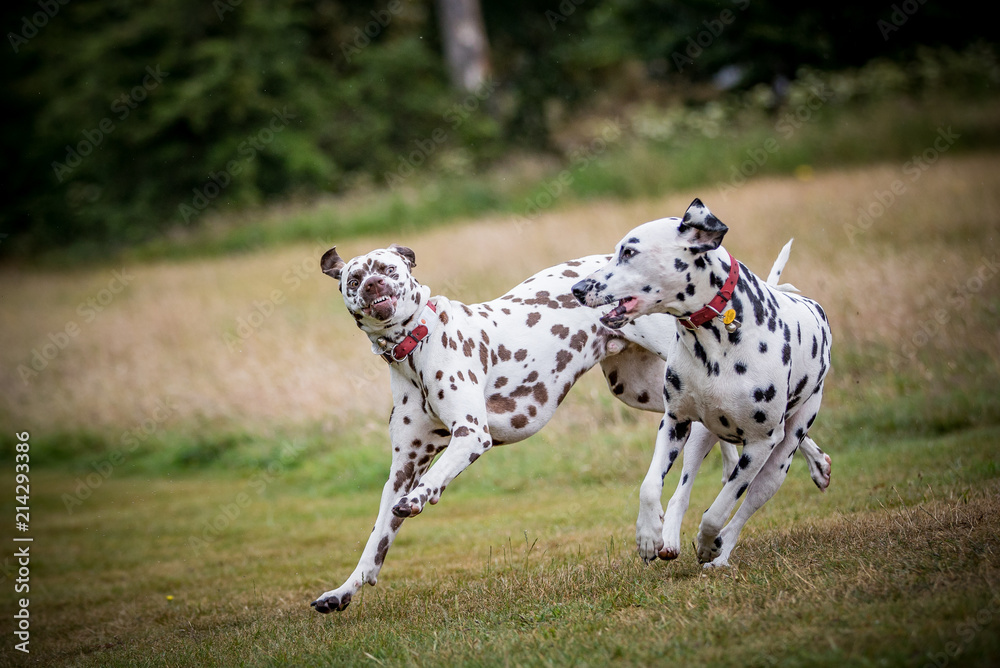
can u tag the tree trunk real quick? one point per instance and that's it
(466, 48)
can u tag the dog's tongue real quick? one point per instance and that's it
(615, 319)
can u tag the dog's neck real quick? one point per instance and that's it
(707, 280)
(385, 335)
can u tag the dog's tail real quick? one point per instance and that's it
(778, 267)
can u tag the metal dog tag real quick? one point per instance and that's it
(730, 321)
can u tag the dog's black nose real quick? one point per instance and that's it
(580, 289)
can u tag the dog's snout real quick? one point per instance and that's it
(374, 285)
(580, 290)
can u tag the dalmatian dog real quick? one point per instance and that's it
(748, 361)
(467, 377)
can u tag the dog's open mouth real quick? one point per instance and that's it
(382, 308)
(618, 316)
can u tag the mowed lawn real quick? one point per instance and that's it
(257, 460)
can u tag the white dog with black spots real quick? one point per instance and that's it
(748, 361)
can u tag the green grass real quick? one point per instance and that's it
(528, 560)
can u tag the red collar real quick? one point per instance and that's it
(409, 343)
(719, 301)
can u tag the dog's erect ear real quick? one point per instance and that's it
(332, 264)
(701, 229)
(408, 254)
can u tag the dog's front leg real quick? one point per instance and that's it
(698, 446)
(411, 456)
(670, 440)
(470, 438)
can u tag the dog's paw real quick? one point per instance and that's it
(330, 602)
(718, 563)
(821, 472)
(407, 508)
(648, 539)
(709, 547)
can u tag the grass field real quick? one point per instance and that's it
(200, 473)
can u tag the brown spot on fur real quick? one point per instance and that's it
(532, 411)
(562, 395)
(460, 432)
(578, 340)
(500, 382)
(443, 317)
(521, 391)
(569, 273)
(643, 398)
(468, 347)
(541, 393)
(484, 357)
(532, 377)
(503, 353)
(562, 331)
(568, 301)
(519, 421)
(520, 355)
(497, 403)
(533, 319)
(403, 476)
(383, 548)
(563, 357)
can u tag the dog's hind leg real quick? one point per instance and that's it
(768, 479)
(819, 463)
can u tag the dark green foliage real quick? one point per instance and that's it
(126, 119)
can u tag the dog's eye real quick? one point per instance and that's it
(391, 269)
(353, 283)
(628, 253)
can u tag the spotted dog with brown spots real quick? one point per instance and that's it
(748, 361)
(467, 377)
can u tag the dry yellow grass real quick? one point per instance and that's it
(163, 338)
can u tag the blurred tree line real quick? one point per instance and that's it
(126, 118)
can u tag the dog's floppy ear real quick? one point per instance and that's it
(408, 254)
(332, 264)
(701, 229)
